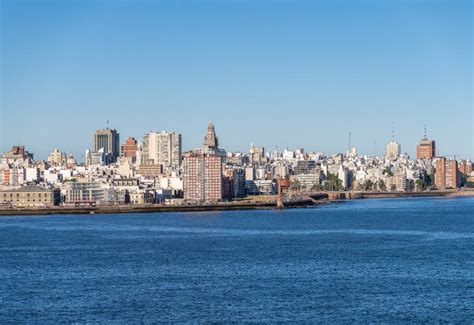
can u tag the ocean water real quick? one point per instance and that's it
(384, 261)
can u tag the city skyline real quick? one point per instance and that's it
(299, 75)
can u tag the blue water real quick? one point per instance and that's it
(388, 260)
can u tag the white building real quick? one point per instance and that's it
(393, 149)
(161, 148)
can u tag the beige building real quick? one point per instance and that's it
(162, 148)
(57, 158)
(392, 149)
(30, 196)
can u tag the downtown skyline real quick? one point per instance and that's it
(300, 75)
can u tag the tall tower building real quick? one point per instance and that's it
(210, 139)
(202, 177)
(393, 149)
(426, 149)
(162, 148)
(109, 141)
(447, 174)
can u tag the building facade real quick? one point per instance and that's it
(447, 174)
(30, 196)
(162, 148)
(202, 177)
(109, 141)
(129, 148)
(426, 149)
(393, 149)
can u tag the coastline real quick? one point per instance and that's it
(310, 199)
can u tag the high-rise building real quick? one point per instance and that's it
(162, 148)
(465, 167)
(447, 174)
(426, 149)
(129, 148)
(393, 149)
(202, 177)
(109, 141)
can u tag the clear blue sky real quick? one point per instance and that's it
(286, 73)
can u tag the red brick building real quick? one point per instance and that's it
(202, 177)
(426, 149)
(447, 174)
(129, 148)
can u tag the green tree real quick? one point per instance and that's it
(420, 184)
(382, 185)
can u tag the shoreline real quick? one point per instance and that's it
(311, 199)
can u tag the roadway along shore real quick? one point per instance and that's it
(299, 200)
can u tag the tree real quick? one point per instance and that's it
(295, 185)
(368, 185)
(420, 184)
(333, 183)
(393, 187)
(382, 185)
(388, 171)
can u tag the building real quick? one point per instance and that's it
(447, 174)
(211, 143)
(57, 158)
(202, 177)
(18, 155)
(30, 196)
(162, 148)
(109, 141)
(129, 148)
(465, 167)
(83, 193)
(150, 170)
(305, 167)
(426, 149)
(393, 149)
(256, 155)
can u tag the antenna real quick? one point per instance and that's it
(350, 136)
(107, 124)
(393, 132)
(375, 147)
(425, 132)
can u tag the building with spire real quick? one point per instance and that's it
(426, 149)
(393, 149)
(211, 142)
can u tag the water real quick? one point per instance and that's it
(393, 260)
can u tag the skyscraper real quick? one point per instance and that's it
(162, 148)
(109, 141)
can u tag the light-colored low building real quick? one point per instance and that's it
(83, 193)
(30, 196)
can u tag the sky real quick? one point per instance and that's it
(296, 74)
